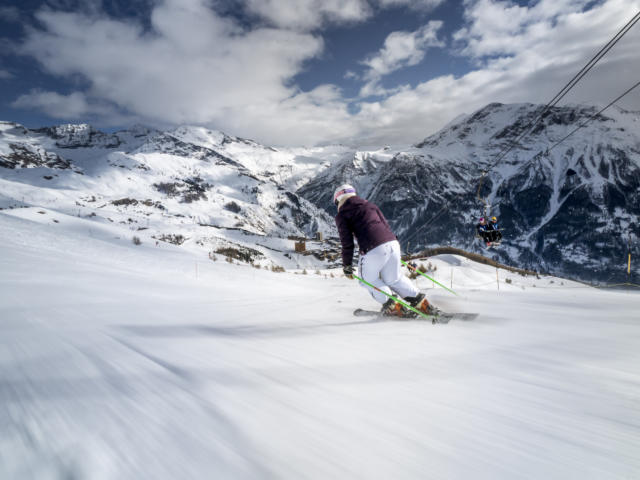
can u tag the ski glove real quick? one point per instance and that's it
(348, 271)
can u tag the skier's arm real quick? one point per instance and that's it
(346, 239)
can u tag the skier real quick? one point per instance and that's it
(379, 262)
(495, 235)
(483, 231)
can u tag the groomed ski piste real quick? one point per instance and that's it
(151, 361)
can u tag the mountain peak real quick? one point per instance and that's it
(79, 135)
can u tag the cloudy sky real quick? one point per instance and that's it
(303, 72)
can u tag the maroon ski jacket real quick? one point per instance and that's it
(364, 220)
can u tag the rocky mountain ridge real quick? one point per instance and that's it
(570, 210)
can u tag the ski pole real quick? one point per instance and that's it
(427, 276)
(401, 302)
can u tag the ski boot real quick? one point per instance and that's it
(420, 303)
(391, 308)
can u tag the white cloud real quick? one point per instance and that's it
(502, 28)
(75, 106)
(424, 5)
(195, 66)
(526, 62)
(401, 49)
(5, 74)
(350, 74)
(309, 14)
(55, 105)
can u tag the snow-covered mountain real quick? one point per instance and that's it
(569, 210)
(200, 186)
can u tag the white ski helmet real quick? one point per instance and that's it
(343, 192)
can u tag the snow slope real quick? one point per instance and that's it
(120, 361)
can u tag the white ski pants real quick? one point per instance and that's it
(381, 267)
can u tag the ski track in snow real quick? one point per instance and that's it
(117, 362)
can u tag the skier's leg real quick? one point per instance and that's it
(403, 286)
(370, 265)
(392, 273)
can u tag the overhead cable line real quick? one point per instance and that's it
(577, 77)
(561, 94)
(444, 208)
(593, 117)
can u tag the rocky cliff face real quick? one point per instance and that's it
(22, 152)
(80, 136)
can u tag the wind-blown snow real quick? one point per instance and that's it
(124, 361)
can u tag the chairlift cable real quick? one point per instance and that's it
(593, 117)
(577, 77)
(561, 94)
